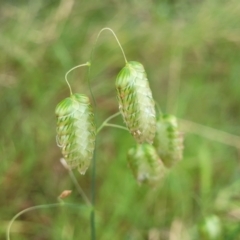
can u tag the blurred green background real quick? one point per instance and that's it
(191, 52)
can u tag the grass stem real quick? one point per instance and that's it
(93, 183)
(44, 206)
(78, 66)
(107, 120)
(109, 29)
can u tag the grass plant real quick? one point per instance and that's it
(191, 52)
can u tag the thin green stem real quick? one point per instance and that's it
(112, 116)
(107, 120)
(93, 176)
(91, 57)
(93, 232)
(79, 189)
(75, 182)
(174, 81)
(89, 85)
(93, 183)
(109, 29)
(78, 66)
(119, 44)
(115, 126)
(44, 206)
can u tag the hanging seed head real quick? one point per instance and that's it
(168, 140)
(145, 164)
(136, 102)
(76, 131)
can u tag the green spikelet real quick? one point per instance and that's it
(145, 163)
(76, 131)
(168, 140)
(136, 103)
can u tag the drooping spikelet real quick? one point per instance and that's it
(76, 131)
(168, 140)
(145, 164)
(136, 103)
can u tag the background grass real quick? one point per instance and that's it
(191, 52)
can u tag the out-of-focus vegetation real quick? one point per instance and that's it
(191, 52)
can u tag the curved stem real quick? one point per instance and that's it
(107, 120)
(115, 126)
(75, 182)
(91, 57)
(61, 204)
(79, 189)
(109, 29)
(78, 66)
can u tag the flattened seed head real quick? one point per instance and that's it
(76, 131)
(145, 164)
(136, 102)
(168, 140)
